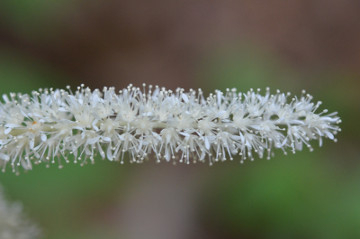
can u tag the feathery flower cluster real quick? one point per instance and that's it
(13, 224)
(49, 125)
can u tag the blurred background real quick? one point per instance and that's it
(287, 45)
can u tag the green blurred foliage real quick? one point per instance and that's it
(296, 196)
(66, 200)
(19, 73)
(245, 67)
(32, 18)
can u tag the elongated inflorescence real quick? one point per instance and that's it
(152, 122)
(13, 222)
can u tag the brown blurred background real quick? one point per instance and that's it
(288, 45)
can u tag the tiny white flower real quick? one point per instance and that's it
(49, 125)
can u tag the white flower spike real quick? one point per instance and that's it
(13, 223)
(152, 122)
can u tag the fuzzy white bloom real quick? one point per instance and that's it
(13, 224)
(49, 125)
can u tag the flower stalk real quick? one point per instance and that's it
(48, 125)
